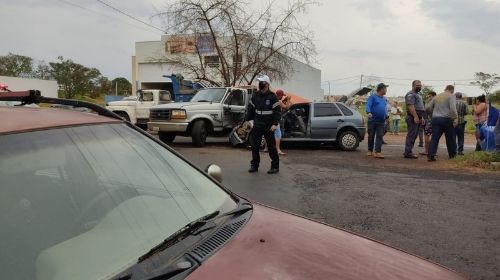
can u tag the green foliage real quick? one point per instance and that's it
(15, 65)
(486, 81)
(74, 79)
(495, 97)
(121, 86)
(426, 90)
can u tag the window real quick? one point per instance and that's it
(147, 96)
(165, 96)
(326, 110)
(345, 110)
(236, 98)
(237, 60)
(212, 61)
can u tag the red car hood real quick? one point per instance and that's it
(277, 245)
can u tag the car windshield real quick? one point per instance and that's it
(209, 95)
(85, 202)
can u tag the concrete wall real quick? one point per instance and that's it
(48, 88)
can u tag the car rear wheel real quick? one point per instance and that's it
(348, 140)
(200, 133)
(166, 137)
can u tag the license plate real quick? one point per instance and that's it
(155, 128)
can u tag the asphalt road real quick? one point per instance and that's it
(451, 217)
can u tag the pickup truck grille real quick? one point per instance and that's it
(159, 114)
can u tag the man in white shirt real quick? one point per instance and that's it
(396, 112)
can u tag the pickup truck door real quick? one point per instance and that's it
(234, 108)
(325, 121)
(144, 103)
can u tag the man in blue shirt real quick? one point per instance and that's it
(376, 110)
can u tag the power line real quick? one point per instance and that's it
(105, 15)
(130, 16)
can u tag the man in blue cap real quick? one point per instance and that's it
(376, 110)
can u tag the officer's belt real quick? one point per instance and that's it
(263, 112)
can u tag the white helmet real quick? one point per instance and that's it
(264, 78)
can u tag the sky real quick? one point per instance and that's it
(393, 41)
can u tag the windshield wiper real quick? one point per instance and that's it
(193, 228)
(203, 101)
(184, 231)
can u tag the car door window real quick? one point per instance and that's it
(345, 110)
(326, 110)
(236, 98)
(147, 96)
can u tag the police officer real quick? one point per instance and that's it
(265, 112)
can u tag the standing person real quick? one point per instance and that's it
(444, 117)
(285, 103)
(376, 110)
(414, 117)
(460, 128)
(264, 109)
(428, 126)
(480, 117)
(396, 112)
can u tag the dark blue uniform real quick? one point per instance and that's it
(265, 111)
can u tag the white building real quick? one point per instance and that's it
(48, 88)
(148, 68)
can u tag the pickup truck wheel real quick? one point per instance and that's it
(199, 134)
(166, 137)
(348, 140)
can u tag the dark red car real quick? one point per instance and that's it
(84, 196)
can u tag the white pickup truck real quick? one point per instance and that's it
(136, 108)
(212, 111)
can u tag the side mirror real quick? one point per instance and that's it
(215, 171)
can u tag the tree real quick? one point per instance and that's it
(486, 81)
(15, 65)
(42, 71)
(75, 79)
(121, 86)
(426, 90)
(234, 44)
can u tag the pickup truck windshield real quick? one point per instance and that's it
(214, 95)
(85, 202)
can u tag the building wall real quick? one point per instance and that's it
(48, 88)
(304, 80)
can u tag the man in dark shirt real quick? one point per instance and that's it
(414, 117)
(265, 112)
(460, 128)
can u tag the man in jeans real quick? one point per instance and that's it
(376, 110)
(460, 128)
(414, 117)
(444, 117)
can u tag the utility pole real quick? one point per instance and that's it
(361, 81)
(329, 92)
(116, 87)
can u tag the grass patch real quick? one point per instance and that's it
(479, 160)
